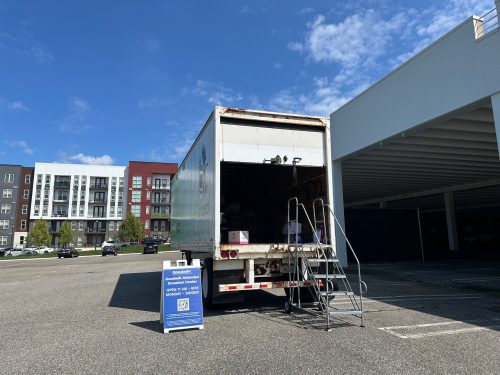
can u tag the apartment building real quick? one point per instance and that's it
(91, 197)
(10, 176)
(149, 195)
(23, 206)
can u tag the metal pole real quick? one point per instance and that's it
(420, 234)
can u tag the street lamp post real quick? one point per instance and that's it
(95, 236)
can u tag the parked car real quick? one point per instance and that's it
(67, 252)
(150, 247)
(16, 252)
(114, 243)
(109, 250)
(42, 250)
(4, 251)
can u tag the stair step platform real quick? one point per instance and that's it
(338, 293)
(322, 260)
(329, 276)
(345, 312)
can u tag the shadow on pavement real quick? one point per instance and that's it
(138, 291)
(152, 325)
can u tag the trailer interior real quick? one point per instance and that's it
(254, 198)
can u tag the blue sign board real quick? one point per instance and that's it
(182, 306)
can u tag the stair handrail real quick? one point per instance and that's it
(361, 282)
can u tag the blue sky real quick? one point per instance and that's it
(105, 82)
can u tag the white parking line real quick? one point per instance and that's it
(393, 330)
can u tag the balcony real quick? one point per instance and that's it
(101, 214)
(160, 215)
(61, 185)
(99, 186)
(98, 201)
(60, 199)
(98, 230)
(60, 214)
(161, 201)
(160, 187)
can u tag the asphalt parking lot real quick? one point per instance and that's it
(94, 315)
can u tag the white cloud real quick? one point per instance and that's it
(15, 105)
(21, 145)
(154, 102)
(359, 46)
(76, 120)
(94, 160)
(306, 11)
(25, 44)
(277, 65)
(214, 92)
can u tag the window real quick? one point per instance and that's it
(24, 209)
(7, 193)
(21, 240)
(136, 196)
(73, 225)
(81, 211)
(147, 210)
(162, 225)
(4, 224)
(119, 210)
(118, 225)
(38, 178)
(113, 181)
(73, 211)
(80, 225)
(5, 209)
(148, 195)
(9, 178)
(27, 179)
(111, 225)
(26, 194)
(135, 210)
(23, 224)
(112, 211)
(45, 210)
(120, 180)
(155, 225)
(137, 182)
(38, 194)
(37, 211)
(3, 240)
(148, 181)
(146, 224)
(47, 179)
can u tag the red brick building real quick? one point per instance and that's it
(149, 195)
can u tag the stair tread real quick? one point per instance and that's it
(321, 260)
(338, 293)
(330, 276)
(345, 312)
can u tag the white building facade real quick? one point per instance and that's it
(91, 197)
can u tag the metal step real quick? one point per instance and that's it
(338, 293)
(322, 260)
(330, 276)
(345, 312)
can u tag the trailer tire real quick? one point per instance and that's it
(207, 280)
(288, 307)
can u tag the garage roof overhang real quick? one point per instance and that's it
(426, 128)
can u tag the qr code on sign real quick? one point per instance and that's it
(183, 304)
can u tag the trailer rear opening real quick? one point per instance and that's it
(253, 198)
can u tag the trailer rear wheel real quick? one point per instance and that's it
(207, 279)
(288, 307)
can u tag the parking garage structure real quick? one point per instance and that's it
(418, 153)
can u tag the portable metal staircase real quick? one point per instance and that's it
(322, 271)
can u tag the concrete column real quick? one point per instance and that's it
(338, 209)
(495, 103)
(451, 221)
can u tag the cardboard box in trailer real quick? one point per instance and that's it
(230, 195)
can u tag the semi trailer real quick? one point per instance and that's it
(230, 199)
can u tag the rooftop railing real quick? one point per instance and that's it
(486, 24)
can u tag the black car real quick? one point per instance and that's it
(109, 250)
(67, 252)
(150, 247)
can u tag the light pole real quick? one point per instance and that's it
(12, 228)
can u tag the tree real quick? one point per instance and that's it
(65, 235)
(132, 229)
(39, 235)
